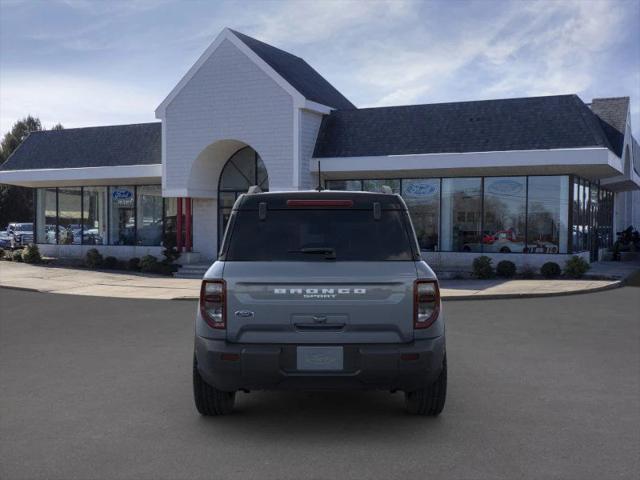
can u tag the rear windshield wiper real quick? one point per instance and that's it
(330, 253)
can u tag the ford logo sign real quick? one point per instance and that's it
(505, 187)
(419, 189)
(121, 194)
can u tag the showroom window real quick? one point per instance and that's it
(149, 215)
(170, 216)
(575, 214)
(422, 197)
(94, 218)
(461, 214)
(376, 185)
(548, 205)
(122, 218)
(69, 216)
(350, 185)
(46, 215)
(104, 215)
(505, 212)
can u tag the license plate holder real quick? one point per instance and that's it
(320, 359)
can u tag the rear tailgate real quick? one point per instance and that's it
(320, 302)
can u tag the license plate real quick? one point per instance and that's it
(320, 358)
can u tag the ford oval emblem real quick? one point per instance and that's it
(505, 187)
(420, 189)
(121, 194)
(244, 314)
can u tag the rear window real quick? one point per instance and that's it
(319, 235)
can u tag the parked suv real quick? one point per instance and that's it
(19, 234)
(319, 291)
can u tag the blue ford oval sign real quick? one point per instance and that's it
(505, 187)
(420, 189)
(122, 194)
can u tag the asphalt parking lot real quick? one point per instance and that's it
(538, 388)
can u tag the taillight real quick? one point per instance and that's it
(213, 299)
(426, 303)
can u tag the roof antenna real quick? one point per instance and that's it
(319, 187)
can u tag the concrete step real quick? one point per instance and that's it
(188, 275)
(199, 266)
(192, 271)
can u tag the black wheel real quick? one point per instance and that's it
(429, 400)
(210, 400)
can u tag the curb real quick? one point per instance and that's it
(453, 298)
(23, 289)
(506, 296)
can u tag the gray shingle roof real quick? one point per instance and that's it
(115, 145)
(532, 123)
(612, 113)
(298, 73)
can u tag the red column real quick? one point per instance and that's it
(179, 225)
(187, 227)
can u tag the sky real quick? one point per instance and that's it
(86, 63)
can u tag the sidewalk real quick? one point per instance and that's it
(137, 285)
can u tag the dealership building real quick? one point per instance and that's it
(526, 179)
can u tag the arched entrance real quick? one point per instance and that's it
(243, 170)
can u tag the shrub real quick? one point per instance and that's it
(93, 258)
(550, 270)
(527, 271)
(166, 269)
(133, 264)
(482, 267)
(110, 263)
(16, 256)
(506, 269)
(149, 264)
(1, 254)
(170, 251)
(576, 267)
(31, 254)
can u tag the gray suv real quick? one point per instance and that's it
(319, 291)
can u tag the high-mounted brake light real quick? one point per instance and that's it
(319, 203)
(213, 303)
(426, 303)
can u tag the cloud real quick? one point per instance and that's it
(309, 22)
(533, 48)
(73, 101)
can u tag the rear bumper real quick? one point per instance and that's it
(273, 367)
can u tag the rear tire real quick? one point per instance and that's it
(429, 400)
(209, 400)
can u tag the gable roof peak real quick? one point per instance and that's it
(297, 73)
(292, 73)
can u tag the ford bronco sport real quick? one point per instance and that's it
(319, 291)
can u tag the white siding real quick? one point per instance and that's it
(229, 98)
(205, 231)
(309, 127)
